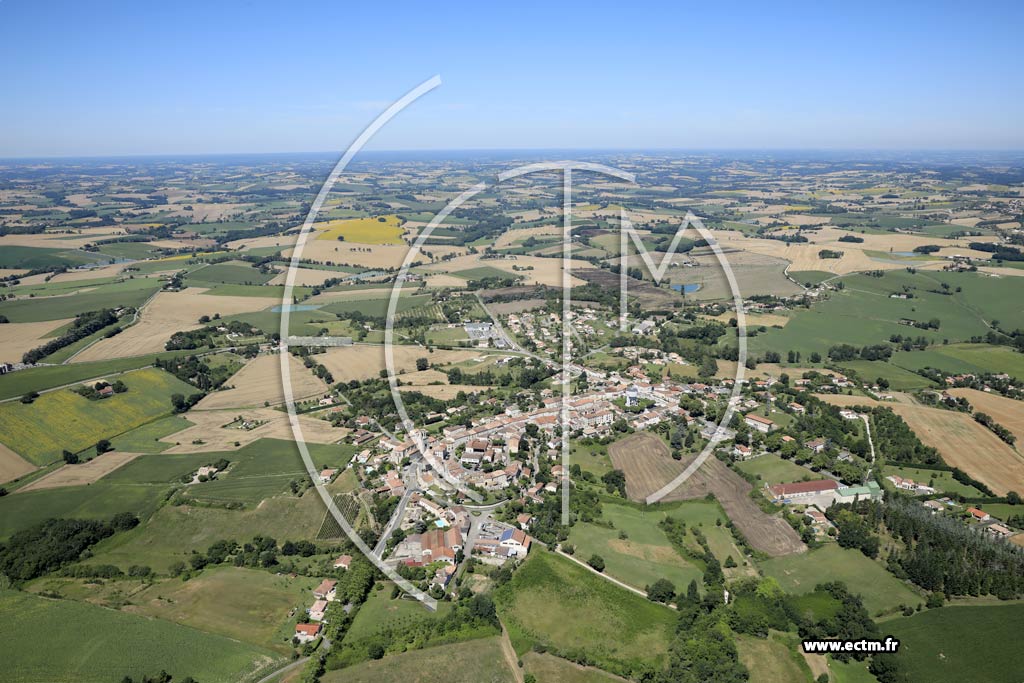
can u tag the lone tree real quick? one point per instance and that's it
(597, 562)
(422, 364)
(661, 590)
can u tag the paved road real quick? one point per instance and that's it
(396, 518)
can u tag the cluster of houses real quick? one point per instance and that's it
(977, 516)
(323, 595)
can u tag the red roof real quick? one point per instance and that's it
(307, 629)
(804, 487)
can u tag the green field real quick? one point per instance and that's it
(899, 379)
(642, 558)
(554, 602)
(476, 661)
(174, 531)
(264, 469)
(483, 272)
(64, 420)
(146, 439)
(377, 308)
(955, 644)
(774, 470)
(863, 313)
(850, 672)
(943, 481)
(35, 309)
(43, 257)
(15, 384)
(975, 358)
(88, 644)
(227, 273)
(381, 612)
(880, 590)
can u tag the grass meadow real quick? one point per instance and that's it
(476, 661)
(880, 590)
(954, 644)
(774, 470)
(89, 644)
(553, 602)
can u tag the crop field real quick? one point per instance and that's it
(364, 362)
(167, 313)
(768, 533)
(966, 444)
(956, 644)
(1006, 411)
(260, 381)
(880, 590)
(89, 644)
(37, 309)
(370, 230)
(642, 558)
(17, 338)
(147, 438)
(771, 469)
(16, 256)
(12, 465)
(899, 379)
(377, 307)
(552, 601)
(646, 462)
(974, 358)
(64, 420)
(810, 277)
(535, 270)
(212, 430)
(83, 474)
(941, 480)
(476, 661)
(230, 273)
(247, 605)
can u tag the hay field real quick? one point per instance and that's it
(12, 465)
(165, 314)
(370, 230)
(112, 270)
(17, 338)
(1005, 411)
(83, 474)
(307, 277)
(546, 271)
(509, 238)
(209, 428)
(365, 362)
(260, 380)
(966, 444)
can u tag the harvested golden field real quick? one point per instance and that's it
(12, 465)
(307, 277)
(1005, 411)
(112, 270)
(7, 272)
(17, 338)
(510, 238)
(210, 429)
(371, 230)
(80, 475)
(365, 362)
(533, 269)
(966, 444)
(260, 380)
(442, 280)
(165, 314)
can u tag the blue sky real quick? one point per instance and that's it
(98, 78)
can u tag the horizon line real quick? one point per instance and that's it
(533, 150)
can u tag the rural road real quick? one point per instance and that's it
(604, 576)
(276, 675)
(871, 442)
